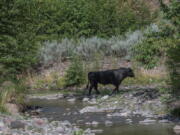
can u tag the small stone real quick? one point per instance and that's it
(95, 123)
(108, 123)
(39, 122)
(60, 129)
(85, 99)
(163, 121)
(147, 121)
(17, 124)
(88, 123)
(71, 100)
(1, 126)
(97, 131)
(128, 121)
(105, 97)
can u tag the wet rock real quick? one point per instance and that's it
(147, 121)
(124, 114)
(177, 129)
(85, 99)
(72, 100)
(1, 126)
(108, 123)
(88, 123)
(163, 121)
(105, 97)
(89, 109)
(17, 124)
(128, 121)
(95, 123)
(60, 129)
(92, 101)
(48, 97)
(39, 122)
(97, 131)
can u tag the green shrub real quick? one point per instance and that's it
(75, 74)
(173, 63)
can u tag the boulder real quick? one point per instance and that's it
(17, 124)
(12, 108)
(177, 129)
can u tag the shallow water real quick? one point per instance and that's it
(63, 110)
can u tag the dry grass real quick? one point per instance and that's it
(53, 78)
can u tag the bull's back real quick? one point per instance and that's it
(106, 77)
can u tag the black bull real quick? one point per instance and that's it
(114, 77)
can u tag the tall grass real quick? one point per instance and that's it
(11, 92)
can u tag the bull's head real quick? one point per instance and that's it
(130, 72)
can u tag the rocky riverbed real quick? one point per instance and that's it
(106, 114)
(19, 125)
(128, 112)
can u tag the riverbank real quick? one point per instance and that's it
(146, 102)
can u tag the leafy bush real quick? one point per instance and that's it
(173, 62)
(75, 74)
(86, 48)
(24, 23)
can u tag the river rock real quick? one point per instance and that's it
(128, 121)
(95, 123)
(1, 125)
(89, 109)
(12, 108)
(17, 124)
(85, 99)
(108, 123)
(147, 121)
(72, 100)
(105, 97)
(177, 129)
(97, 131)
(163, 121)
(60, 129)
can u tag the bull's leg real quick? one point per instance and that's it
(96, 88)
(90, 89)
(115, 90)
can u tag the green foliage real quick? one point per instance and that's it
(75, 74)
(25, 23)
(18, 44)
(173, 63)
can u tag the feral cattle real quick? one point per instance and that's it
(114, 77)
